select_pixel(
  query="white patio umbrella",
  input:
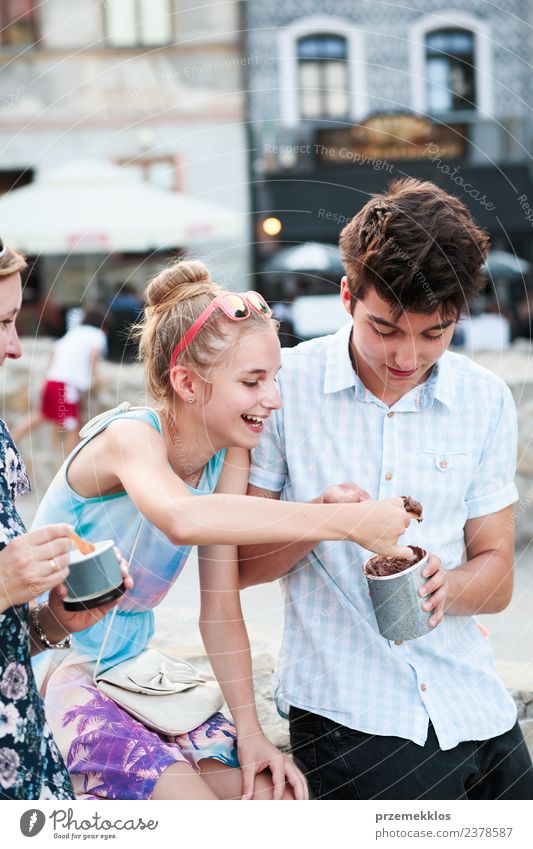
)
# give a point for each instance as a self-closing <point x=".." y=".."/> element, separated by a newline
<point x="503" y="264"/>
<point x="307" y="258"/>
<point x="93" y="207"/>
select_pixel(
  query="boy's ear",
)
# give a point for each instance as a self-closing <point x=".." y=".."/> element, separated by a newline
<point x="346" y="298"/>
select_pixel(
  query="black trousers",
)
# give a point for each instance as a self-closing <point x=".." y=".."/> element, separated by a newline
<point x="341" y="763"/>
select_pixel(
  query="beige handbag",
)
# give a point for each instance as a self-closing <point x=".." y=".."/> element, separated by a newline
<point x="165" y="694"/>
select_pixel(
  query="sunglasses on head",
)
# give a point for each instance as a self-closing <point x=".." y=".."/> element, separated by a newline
<point x="235" y="306"/>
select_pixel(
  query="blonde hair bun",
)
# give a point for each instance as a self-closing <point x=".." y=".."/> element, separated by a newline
<point x="175" y="299"/>
<point x="181" y="281"/>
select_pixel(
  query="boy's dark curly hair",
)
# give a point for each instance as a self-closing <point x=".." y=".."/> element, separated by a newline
<point x="418" y="247"/>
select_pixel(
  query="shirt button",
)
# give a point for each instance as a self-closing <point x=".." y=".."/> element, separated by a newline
<point x="443" y="464"/>
<point x="423" y="688"/>
<point x="388" y="476"/>
<point x="390" y="415"/>
<point x="397" y="642"/>
<point x="336" y="733"/>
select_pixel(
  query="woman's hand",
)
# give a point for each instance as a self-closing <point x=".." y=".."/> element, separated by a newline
<point x="256" y="754"/>
<point x="33" y="563"/>
<point x="436" y="587"/>
<point x="71" y="621"/>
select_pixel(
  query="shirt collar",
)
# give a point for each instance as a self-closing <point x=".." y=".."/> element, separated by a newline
<point x="443" y="387"/>
<point x="340" y="374"/>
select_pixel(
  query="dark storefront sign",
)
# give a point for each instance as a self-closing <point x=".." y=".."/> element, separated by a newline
<point x="396" y="137"/>
<point x="315" y="208"/>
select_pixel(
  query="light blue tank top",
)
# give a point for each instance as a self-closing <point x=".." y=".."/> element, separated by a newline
<point x="156" y="562"/>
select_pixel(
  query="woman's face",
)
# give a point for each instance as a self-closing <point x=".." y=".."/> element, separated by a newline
<point x="244" y="391"/>
<point x="10" y="301"/>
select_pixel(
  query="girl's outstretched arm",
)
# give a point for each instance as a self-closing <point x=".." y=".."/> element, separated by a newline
<point x="134" y="454"/>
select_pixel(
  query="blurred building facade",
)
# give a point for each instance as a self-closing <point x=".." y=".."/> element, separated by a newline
<point x="346" y="96"/>
<point x="153" y="85"/>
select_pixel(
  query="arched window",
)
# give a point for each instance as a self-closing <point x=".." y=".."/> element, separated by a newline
<point x="451" y="67"/>
<point x="323" y="76"/>
<point x="451" y="70"/>
<point x="321" y="70"/>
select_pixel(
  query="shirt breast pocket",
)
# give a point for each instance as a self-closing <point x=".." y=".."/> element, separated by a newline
<point x="451" y="470"/>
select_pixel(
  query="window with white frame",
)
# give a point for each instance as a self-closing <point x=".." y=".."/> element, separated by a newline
<point x="321" y="70"/>
<point x="323" y="76"/>
<point x="451" y="64"/>
<point x="451" y="70"/>
<point x="139" y="22"/>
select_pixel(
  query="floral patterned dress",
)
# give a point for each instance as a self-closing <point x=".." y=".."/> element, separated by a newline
<point x="31" y="766"/>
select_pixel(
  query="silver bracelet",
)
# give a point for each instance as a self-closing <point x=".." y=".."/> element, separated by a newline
<point x="64" y="644"/>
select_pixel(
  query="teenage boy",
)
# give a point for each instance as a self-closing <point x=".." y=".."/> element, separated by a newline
<point x="382" y="402"/>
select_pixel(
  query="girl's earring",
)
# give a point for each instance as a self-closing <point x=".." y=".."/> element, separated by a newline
<point x="190" y="400"/>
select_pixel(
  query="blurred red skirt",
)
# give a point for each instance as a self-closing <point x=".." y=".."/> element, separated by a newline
<point x="60" y="403"/>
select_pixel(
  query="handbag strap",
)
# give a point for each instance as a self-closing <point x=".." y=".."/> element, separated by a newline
<point x="112" y="619"/>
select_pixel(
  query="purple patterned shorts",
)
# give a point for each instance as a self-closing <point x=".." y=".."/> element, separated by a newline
<point x="111" y="755"/>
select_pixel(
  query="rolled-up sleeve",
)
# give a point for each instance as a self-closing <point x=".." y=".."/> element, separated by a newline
<point x="269" y="466"/>
<point x="493" y="487"/>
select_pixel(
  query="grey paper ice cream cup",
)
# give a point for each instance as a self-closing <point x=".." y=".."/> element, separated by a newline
<point x="94" y="578"/>
<point x="396" y="602"/>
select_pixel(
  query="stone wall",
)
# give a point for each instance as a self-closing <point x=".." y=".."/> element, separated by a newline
<point x="518" y="678"/>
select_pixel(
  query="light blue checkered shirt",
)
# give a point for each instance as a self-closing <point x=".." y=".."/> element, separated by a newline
<point x="451" y="444"/>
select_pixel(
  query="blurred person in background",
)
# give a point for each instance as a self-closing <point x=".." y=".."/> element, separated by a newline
<point x="523" y="324"/>
<point x="125" y="309"/>
<point x="72" y="371"/>
<point x="489" y="330"/>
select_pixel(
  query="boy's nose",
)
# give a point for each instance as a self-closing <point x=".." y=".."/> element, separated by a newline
<point x="405" y="358"/>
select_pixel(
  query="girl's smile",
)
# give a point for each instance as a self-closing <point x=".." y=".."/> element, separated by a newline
<point x="254" y="423"/>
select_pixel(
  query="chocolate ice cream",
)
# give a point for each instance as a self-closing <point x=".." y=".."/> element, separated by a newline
<point x="412" y="506"/>
<point x="380" y="566"/>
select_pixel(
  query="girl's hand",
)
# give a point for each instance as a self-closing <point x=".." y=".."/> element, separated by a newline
<point x="72" y="621"/>
<point x="382" y="523"/>
<point x="256" y="754"/>
<point x="33" y="563"/>
<point x="436" y="588"/>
